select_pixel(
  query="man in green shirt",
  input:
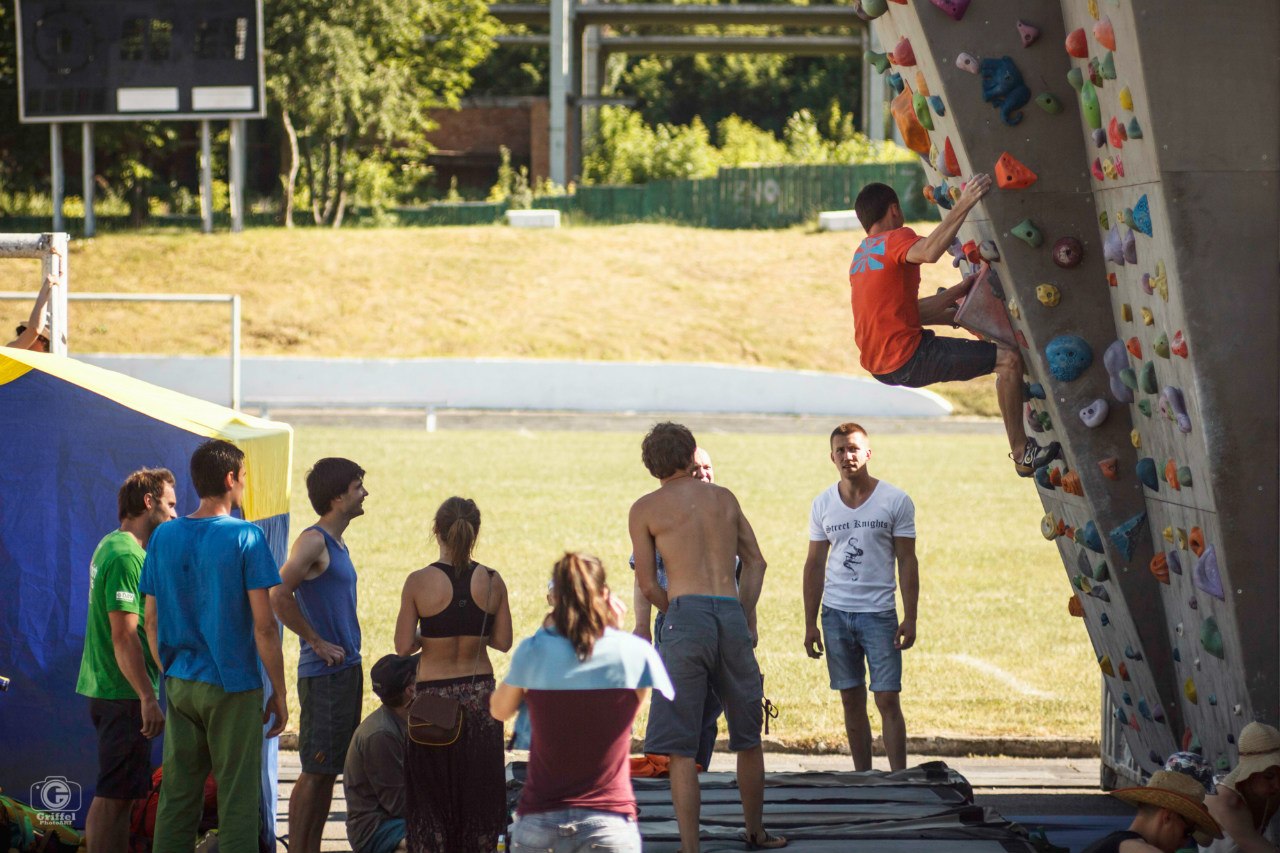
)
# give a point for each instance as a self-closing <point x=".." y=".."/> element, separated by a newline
<point x="117" y="671"/>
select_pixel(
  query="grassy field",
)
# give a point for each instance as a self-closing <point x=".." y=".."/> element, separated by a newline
<point x="618" y="293"/>
<point x="997" y="653"/>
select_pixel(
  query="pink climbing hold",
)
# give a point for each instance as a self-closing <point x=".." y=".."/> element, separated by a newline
<point x="1028" y="33"/>
<point x="967" y="62"/>
<point x="1178" y="346"/>
<point x="1105" y="33"/>
<point x="1097" y="169"/>
<point x="1115" y="133"/>
<point x="903" y="54"/>
<point x="1078" y="44"/>
<point x="954" y="8"/>
<point x="1119" y="166"/>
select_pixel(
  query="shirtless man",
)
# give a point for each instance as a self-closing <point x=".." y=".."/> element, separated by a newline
<point x="700" y="529"/>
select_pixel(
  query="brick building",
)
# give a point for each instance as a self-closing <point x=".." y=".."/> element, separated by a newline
<point x="468" y="139"/>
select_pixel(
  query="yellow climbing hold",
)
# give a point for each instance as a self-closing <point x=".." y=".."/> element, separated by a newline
<point x="1014" y="312"/>
<point x="1135" y="439"/>
<point x="1049" y="527"/>
<point x="1093" y="9"/>
<point x="1148" y="319"/>
<point x="1104" y="663"/>
<point x="1168" y="534"/>
<point x="1160" y="281"/>
<point x="1190" y="689"/>
<point x="1126" y="99"/>
<point x="1126" y="312"/>
<point x="1109" y="168"/>
<point x="1182" y="539"/>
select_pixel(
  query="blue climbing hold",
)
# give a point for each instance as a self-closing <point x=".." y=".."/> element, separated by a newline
<point x="1125" y="537"/>
<point x="1143" y="709"/>
<point x="1175" y="562"/>
<point x="1035" y="390"/>
<point x="1126" y="698"/>
<point x="935" y="101"/>
<point x="1147" y="473"/>
<point x="1177" y="656"/>
<point x="1105" y="620"/>
<point x="1068" y="356"/>
<point x="1142" y="216"/>
<point x="1122" y="716"/>
<point x="1091" y="538"/>
<point x="1003" y="88"/>
<point x="895" y="81"/>
<point x="1042" y="478"/>
<point x="942" y="197"/>
<point x="1131" y="654"/>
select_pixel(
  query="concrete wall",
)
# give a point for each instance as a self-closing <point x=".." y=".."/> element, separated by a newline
<point x="1206" y="163"/>
<point x="533" y="385"/>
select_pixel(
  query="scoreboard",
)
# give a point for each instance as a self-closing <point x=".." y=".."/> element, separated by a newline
<point x="129" y="60"/>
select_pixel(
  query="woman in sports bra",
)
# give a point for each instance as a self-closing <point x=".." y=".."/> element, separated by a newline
<point x="455" y="610"/>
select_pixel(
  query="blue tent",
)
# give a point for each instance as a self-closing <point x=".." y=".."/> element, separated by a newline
<point x="69" y="435"/>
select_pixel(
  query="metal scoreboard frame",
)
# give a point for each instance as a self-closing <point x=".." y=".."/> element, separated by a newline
<point x="139" y="60"/>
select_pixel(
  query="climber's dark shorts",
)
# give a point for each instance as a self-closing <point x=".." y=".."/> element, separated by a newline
<point x="943" y="360"/>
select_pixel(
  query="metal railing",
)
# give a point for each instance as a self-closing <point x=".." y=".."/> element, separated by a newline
<point x="218" y="298"/>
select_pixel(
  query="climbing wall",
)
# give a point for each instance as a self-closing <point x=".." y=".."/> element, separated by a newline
<point x="1134" y="235"/>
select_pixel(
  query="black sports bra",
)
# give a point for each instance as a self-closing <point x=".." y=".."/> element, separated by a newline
<point x="462" y="617"/>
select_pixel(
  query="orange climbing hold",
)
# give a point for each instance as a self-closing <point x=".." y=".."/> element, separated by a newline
<point x="1110" y="467"/>
<point x="921" y="86"/>
<point x="1124" y="671"/>
<point x="1196" y="540"/>
<point x="1012" y="175"/>
<point x="1055" y="476"/>
<point x="1071" y="484"/>
<point x="1160" y="567"/>
<point x="1134" y="346"/>
<point x="1074" y="607"/>
<point x="904" y="116"/>
<point x="928" y="193"/>
<point x="1078" y="44"/>
<point x="1112" y="281"/>
<point x="1105" y="33"/>
<point x="949" y="159"/>
<point x="971" y="253"/>
<point x="1171" y="475"/>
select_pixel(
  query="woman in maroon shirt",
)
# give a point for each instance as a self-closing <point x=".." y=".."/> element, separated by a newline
<point x="583" y="681"/>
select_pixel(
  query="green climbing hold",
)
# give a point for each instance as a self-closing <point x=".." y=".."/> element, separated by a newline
<point x="1108" y="66"/>
<point x="1134" y="130"/>
<point x="1046" y="421"/>
<point x="1076" y="78"/>
<point x="1027" y="232"/>
<point x="1126" y="216"/>
<point x="1144" y="406"/>
<point x="921" y="105"/>
<point x="1129" y="378"/>
<point x="1147" y="379"/>
<point x="1184" y="476"/>
<point x="874" y="8"/>
<point x="1101" y="572"/>
<point x="1146" y="469"/>
<point x="1223" y="763"/>
<point x="1048" y="102"/>
<point x="1211" y="637"/>
<point x="1161" y="345"/>
<point x="1104" y="221"/>
<point x="878" y="61"/>
<point x="1089" y="104"/>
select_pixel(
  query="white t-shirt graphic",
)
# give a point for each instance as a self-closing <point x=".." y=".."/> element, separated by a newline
<point x="860" y="565"/>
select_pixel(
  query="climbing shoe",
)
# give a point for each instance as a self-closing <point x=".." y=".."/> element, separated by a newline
<point x="1034" y="456"/>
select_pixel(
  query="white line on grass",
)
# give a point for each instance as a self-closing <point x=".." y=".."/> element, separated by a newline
<point x="1009" y="679"/>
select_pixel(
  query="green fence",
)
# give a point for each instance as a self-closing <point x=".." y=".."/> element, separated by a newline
<point x="762" y="197"/>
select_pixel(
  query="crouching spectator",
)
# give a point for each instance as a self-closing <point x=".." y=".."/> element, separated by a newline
<point x="373" y="776"/>
<point x="1171" y="813"/>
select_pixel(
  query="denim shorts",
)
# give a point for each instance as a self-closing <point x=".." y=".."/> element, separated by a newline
<point x="705" y="643"/>
<point x="850" y="637"/>
<point x="574" y="830"/>
<point x="943" y="360"/>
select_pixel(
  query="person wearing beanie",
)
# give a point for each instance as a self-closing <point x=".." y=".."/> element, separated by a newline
<point x="373" y="775"/>
<point x="1171" y="813"/>
<point x="1247" y="800"/>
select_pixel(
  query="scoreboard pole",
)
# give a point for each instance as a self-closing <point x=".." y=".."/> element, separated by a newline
<point x="206" y="179"/>
<point x="57" y="179"/>
<point x="86" y="168"/>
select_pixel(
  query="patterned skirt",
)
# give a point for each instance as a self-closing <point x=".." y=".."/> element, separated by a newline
<point x="455" y="796"/>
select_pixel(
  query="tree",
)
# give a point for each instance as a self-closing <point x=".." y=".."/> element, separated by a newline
<point x="352" y="82"/>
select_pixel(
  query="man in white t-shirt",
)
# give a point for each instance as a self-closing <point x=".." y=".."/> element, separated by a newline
<point x="858" y="530"/>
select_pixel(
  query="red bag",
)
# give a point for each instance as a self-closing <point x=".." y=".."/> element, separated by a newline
<point x="142" y="823"/>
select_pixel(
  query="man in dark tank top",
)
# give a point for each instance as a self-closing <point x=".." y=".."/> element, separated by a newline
<point x="317" y="601"/>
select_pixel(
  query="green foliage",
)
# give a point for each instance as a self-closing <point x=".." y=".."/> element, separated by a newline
<point x="626" y="150"/>
<point x="512" y="185"/>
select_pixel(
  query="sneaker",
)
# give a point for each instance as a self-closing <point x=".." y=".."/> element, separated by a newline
<point x="1034" y="456"/>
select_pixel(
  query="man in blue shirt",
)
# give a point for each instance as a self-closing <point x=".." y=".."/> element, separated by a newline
<point x="316" y="600"/>
<point x="206" y="579"/>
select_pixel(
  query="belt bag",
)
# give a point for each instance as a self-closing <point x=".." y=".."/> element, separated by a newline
<point x="434" y="720"/>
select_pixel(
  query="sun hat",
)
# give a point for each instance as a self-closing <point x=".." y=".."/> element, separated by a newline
<point x="1259" y="747"/>
<point x="1179" y="793"/>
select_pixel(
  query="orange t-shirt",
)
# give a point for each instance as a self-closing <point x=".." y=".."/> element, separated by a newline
<point x="884" y="291"/>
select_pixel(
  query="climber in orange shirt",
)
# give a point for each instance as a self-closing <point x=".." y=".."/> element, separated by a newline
<point x="889" y="316"/>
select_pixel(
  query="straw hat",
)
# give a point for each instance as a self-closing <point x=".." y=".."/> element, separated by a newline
<point x="1259" y="747"/>
<point x="1179" y="793"/>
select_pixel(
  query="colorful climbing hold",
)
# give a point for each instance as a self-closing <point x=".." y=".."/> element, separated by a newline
<point x="1035" y="391"/>
<point x="1132" y="654"/>
<point x="1179" y="345"/>
<point x="1116" y="360"/>
<point x="1011" y="174"/>
<point x="878" y="61"/>
<point x="1104" y="221"/>
<point x="989" y="251"/>
<point x="1090" y="538"/>
<point x="874" y="8"/>
<point x="1028" y="33"/>
<point x="1093" y="9"/>
<point x="1114" y="131"/>
<point x="895" y="81"/>
<point x="1021" y="339"/>
<point x="942" y="196"/>
<point x="1041" y="475"/>
<point x="1120" y="715"/>
<point x="949" y="160"/>
<point x="1096" y="169"/>
<point x="1101" y="572"/>
<point x="1184" y="475"/>
<point x="935" y="102"/>
<point x="1099" y="140"/>
<point x="921" y="106"/>
<point x="1048" y="524"/>
<point x="1105" y="33"/>
<point x="1095" y="72"/>
<point x="1130" y="379"/>
<point x="1014" y="311"/>
<point x="1113" y="246"/>
<point x="1068" y="357"/>
<point x="1161" y="345"/>
<point x="1177" y="405"/>
<point x="903" y="54"/>
<point x="1158" y="715"/>
<point x="1094" y="414"/>
<point x="1068" y="252"/>
<point x="1189" y="689"/>
<point x="922" y="85"/>
<point x="1071" y="484"/>
<point x="1182" y="538"/>
<point x="1100" y="593"/>
<point x="1149" y="319"/>
<point x="1144" y="406"/>
<point x="1126" y="312"/>
<point x="1104" y="663"/>
<point x="1003" y="88"/>
<point x="1211" y="637"/>
<point x="913" y="133"/>
<point x="1123" y="671"/>
<point x="1134" y="346"/>
<point x="1175" y="562"/>
<point x="954" y="8"/>
<point x="1126" y="535"/>
<point x="1089" y="104"/>
<point x="1126" y="99"/>
<point x="1134" y="129"/>
<point x="1196" y="541"/>
<point x="1146" y="469"/>
<point x="1077" y="44"/>
<point x="1142" y="215"/>
<point x="1076" y="78"/>
<point x="1027" y="232"/>
<point x="967" y="62"/>
<point x="1147" y="378"/>
<point x="1160" y="281"/>
<point x="1143" y="709"/>
<point x="1055" y="476"/>
<point x="1160" y="568"/>
<point x="1171" y="475"/>
<point x="1110" y="467"/>
<point x="1049" y="102"/>
<point x="1109" y="168"/>
<point x="1206" y="575"/>
<point x="1107" y="66"/>
<point x="1048" y="295"/>
<point x="1129" y="244"/>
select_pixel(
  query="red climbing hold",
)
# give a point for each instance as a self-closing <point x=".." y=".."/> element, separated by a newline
<point x="1112" y="281"/>
<point x="1105" y="33"/>
<point x="1078" y="44"/>
<point x="1123" y="671"/>
<point x="1115" y="133"/>
<point x="1110" y="467"/>
<point x="903" y="53"/>
<point x="1071" y="484"/>
<point x="1134" y="346"/>
<point x="1055" y="476"/>
<point x="1012" y="175"/>
<point x="949" y="159"/>
<point x="1178" y="346"/>
<point x="1096" y="168"/>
